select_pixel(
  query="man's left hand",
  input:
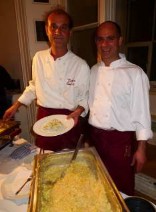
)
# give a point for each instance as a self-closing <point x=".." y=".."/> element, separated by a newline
<point x="139" y="157"/>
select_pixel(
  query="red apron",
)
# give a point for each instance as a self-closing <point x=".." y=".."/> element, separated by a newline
<point x="116" y="150"/>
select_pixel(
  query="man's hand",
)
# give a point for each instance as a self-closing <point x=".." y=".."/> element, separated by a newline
<point x="75" y="114"/>
<point x="10" y="112"/>
<point x="139" y="157"/>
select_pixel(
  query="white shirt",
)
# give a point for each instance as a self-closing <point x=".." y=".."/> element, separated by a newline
<point x="119" y="98"/>
<point x="61" y="83"/>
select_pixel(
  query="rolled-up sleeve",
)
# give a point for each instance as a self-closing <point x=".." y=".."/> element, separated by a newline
<point x="141" y="117"/>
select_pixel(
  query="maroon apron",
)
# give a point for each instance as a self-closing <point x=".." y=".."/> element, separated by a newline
<point x="57" y="143"/>
<point x="116" y="150"/>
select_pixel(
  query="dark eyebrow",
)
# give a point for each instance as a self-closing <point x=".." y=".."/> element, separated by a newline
<point x="106" y="38"/>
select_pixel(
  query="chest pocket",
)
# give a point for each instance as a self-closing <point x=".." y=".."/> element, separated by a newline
<point x="71" y="91"/>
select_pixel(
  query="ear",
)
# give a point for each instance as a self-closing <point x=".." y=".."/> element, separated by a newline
<point x="46" y="29"/>
<point x="120" y="41"/>
<point x="70" y="33"/>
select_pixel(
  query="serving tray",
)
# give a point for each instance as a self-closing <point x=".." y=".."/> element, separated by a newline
<point x="44" y="176"/>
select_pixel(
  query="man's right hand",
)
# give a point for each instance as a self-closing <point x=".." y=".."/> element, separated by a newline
<point x="10" y="112"/>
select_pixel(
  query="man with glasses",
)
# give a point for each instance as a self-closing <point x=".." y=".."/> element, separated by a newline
<point x="119" y="118"/>
<point x="60" y="82"/>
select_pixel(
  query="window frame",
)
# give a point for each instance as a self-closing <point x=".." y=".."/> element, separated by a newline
<point x="149" y="44"/>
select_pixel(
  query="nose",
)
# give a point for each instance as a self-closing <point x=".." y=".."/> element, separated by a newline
<point x="57" y="31"/>
<point x="104" y="43"/>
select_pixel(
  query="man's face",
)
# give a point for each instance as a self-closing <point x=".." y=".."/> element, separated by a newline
<point x="58" y="30"/>
<point x="108" y="43"/>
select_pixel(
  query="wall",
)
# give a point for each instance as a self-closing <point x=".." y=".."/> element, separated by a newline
<point x="36" y="12"/>
<point x="9" y="54"/>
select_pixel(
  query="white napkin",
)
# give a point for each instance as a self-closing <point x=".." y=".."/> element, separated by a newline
<point x="20" y="141"/>
<point x="13" y="182"/>
<point x="123" y="195"/>
<point x="6" y="205"/>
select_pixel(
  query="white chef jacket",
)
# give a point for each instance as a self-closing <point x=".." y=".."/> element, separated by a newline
<point x="119" y="98"/>
<point x="62" y="83"/>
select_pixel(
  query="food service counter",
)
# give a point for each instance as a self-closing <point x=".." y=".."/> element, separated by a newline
<point x="13" y="173"/>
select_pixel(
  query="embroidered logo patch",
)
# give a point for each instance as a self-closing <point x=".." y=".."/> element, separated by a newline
<point x="70" y="82"/>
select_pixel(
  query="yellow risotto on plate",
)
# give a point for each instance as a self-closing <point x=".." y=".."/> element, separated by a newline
<point x="55" y="125"/>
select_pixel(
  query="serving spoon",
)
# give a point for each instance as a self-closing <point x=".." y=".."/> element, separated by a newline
<point x="74" y="156"/>
<point x="77" y="148"/>
<point x="28" y="179"/>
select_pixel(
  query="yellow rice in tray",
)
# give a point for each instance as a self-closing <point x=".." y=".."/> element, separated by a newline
<point x="80" y="190"/>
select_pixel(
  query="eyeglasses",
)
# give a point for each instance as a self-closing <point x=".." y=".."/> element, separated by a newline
<point x="62" y="28"/>
<point x="107" y="38"/>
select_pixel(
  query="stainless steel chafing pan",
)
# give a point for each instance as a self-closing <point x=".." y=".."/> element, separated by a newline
<point x="45" y="162"/>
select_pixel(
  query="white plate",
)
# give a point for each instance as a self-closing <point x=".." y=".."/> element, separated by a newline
<point x="13" y="182"/>
<point x="39" y="126"/>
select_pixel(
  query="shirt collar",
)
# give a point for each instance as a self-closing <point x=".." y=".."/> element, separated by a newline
<point x="116" y="63"/>
<point x="49" y="56"/>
